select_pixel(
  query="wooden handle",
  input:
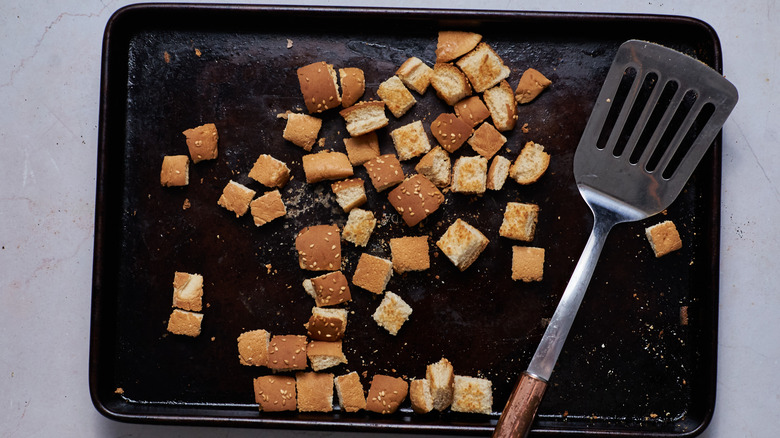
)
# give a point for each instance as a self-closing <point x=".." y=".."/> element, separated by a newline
<point x="521" y="408"/>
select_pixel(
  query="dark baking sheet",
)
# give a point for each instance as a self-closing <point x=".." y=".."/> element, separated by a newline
<point x="630" y="366"/>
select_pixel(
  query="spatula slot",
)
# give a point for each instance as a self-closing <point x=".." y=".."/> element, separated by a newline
<point x="638" y="107"/>
<point x="619" y="99"/>
<point x="693" y="133"/>
<point x="684" y="107"/>
<point x="652" y="122"/>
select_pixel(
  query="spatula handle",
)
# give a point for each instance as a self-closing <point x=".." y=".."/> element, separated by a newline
<point x="521" y="408"/>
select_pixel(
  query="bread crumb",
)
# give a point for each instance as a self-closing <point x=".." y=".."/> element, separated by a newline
<point x="197" y="52"/>
<point x="186" y="204"/>
<point x="289" y="43"/>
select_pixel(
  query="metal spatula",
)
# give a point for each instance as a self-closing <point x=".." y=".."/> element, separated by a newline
<point x="656" y="115"/>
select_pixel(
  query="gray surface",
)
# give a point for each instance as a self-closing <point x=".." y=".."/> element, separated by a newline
<point x="49" y="77"/>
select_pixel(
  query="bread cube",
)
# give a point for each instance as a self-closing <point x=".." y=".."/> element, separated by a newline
<point x="275" y="393"/>
<point x="462" y="244"/>
<point x="350" y="392"/>
<point x="410" y="253"/>
<point x="663" y="238"/>
<point x="396" y="96"/>
<point x="486" y="140"/>
<point x="500" y="100"/>
<point x="329" y="289"/>
<point x="175" y="171"/>
<point x="187" y="291"/>
<point x="452" y="44"/>
<point x="435" y="166"/>
<point x="326" y="165"/>
<point x="319" y="248"/>
<point x="364" y="117"/>
<point x="415" y="199"/>
<point x="353" y="85"/>
<point x="326" y="324"/>
<point x="253" y="348"/>
<point x="350" y="193"/>
<point x="202" y="142"/>
<point x="323" y="355"/>
<point x="415" y="74"/>
<point x="527" y="263"/>
<point x="450" y="83"/>
<point x="386" y="394"/>
<point x="441" y="378"/>
<point x="472" y="394"/>
<point x="498" y="172"/>
<point x="315" y="391"/>
<point x="287" y="353"/>
<point x="410" y="141"/>
<point x="268" y="207"/>
<point x="450" y="131"/>
<point x="302" y="130"/>
<point x="530" y="165"/>
<point x="182" y="322"/>
<point x="531" y="85"/>
<point x="361" y="149"/>
<point x="385" y="171"/>
<point x="392" y="313"/>
<point x="236" y="198"/>
<point x="372" y="273"/>
<point x="483" y="67"/>
<point x="469" y="175"/>
<point x="472" y="111"/>
<point x="420" y="396"/>
<point x="319" y="87"/>
<point x="519" y="221"/>
<point x="270" y="172"/>
<point x="359" y="227"/>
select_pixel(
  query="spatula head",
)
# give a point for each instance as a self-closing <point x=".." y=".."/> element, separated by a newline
<point x="656" y="115"/>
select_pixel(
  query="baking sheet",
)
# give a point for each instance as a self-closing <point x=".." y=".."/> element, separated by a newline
<point x="630" y="364"/>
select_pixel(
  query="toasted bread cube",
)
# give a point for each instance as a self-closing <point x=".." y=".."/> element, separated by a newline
<point x="385" y="171"/>
<point x="483" y="67"/>
<point x="469" y="175"/>
<point x="415" y="74"/>
<point x="530" y="165"/>
<point x="486" y="140"/>
<point x="531" y="84"/>
<point x="350" y="193"/>
<point x="364" y="117"/>
<point x="326" y="165"/>
<point x="287" y="353"/>
<point x="319" y="87"/>
<point x="270" y="172"/>
<point x="329" y="289"/>
<point x="527" y="263"/>
<point x="519" y="221"/>
<point x="323" y="355"/>
<point x="663" y="238"/>
<point x="450" y="83"/>
<point x="410" y="253"/>
<point x="392" y="313"/>
<point x="236" y="198"/>
<point x="462" y="244"/>
<point x="275" y="393"/>
<point x="450" y="131"/>
<point x="372" y="273"/>
<point x="386" y="394"/>
<point x="441" y="378"/>
<point x="500" y="100"/>
<point x="359" y="227"/>
<point x="187" y="291"/>
<point x="353" y="85"/>
<point x="319" y="248"/>
<point x="472" y="394"/>
<point x="452" y="45"/>
<point x="350" y="392"/>
<point x="498" y="172"/>
<point x="253" y="348"/>
<point x="202" y="142"/>
<point x="175" y="171"/>
<point x="396" y="96"/>
<point x="420" y="396"/>
<point x="415" y="199"/>
<point x="472" y="111"/>
<point x="436" y="166"/>
<point x="185" y="323"/>
<point x="268" y="207"/>
<point x="326" y="324"/>
<point x="363" y="148"/>
<point x="315" y="392"/>
<point x="410" y="141"/>
<point x="302" y="130"/>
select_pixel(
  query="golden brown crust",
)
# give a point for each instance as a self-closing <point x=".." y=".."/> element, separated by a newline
<point x="327" y="324"/>
<point x="500" y="100"/>
<point x="331" y="289"/>
<point x="270" y="172"/>
<point x="326" y="165"/>
<point x="315" y="392"/>
<point x="453" y="44"/>
<point x="185" y="323"/>
<point x="396" y="96"/>
<point x="287" y="353"/>
<point x="472" y="110"/>
<point x="175" y="171"/>
<point x="392" y="313"/>
<point x="415" y="199"/>
<point x="386" y="394"/>
<point x="275" y="393"/>
<point x="363" y="148"/>
<point x="323" y="355"/>
<point x="236" y="198"/>
<point x="202" y="142"/>
<point x="469" y="175"/>
<point x="372" y="273"/>
<point x="415" y="74"/>
<point x="319" y="248"/>
<point x="410" y="253"/>
<point x="267" y="207"/>
<point x="365" y="117"/>
<point x="483" y="67"/>
<point x="663" y="238"/>
<point x="519" y="221"/>
<point x="436" y="166"/>
<point x="302" y="130"/>
<point x="486" y="140"/>
<point x="385" y="171"/>
<point x="319" y="87"/>
<point x="359" y="227"/>
<point x="450" y="83"/>
<point x="350" y="193"/>
<point x="353" y="85"/>
<point x="531" y="84"/>
<point x="420" y="396"/>
<point x="253" y="348"/>
<point x="527" y="263"/>
<point x="530" y="164"/>
<point x="350" y="392"/>
<point x="440" y="376"/>
<point x="410" y="140"/>
<point x="472" y="394"/>
<point x="462" y="244"/>
<point x="450" y="131"/>
<point x="187" y="291"/>
<point x="498" y="172"/>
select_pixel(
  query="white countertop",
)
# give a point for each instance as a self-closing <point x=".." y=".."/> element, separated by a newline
<point x="49" y="88"/>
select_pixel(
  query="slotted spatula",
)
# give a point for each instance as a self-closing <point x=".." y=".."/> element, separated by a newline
<point x="656" y="115"/>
